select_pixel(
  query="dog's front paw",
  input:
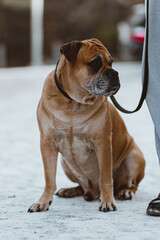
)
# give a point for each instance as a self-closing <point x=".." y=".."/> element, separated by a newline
<point x="40" y="206"/>
<point x="107" y="206"/>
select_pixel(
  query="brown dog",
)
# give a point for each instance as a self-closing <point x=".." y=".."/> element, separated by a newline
<point x="76" y="120"/>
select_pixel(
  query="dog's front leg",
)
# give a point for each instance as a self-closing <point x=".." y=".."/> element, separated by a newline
<point x="49" y="155"/>
<point x="104" y="154"/>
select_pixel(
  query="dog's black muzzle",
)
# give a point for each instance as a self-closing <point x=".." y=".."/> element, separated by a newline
<point x="108" y="84"/>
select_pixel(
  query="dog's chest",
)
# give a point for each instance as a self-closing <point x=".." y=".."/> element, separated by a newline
<point x="73" y="145"/>
<point x="79" y="155"/>
<point x="76" y="150"/>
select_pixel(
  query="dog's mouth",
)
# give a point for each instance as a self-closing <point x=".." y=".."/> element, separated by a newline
<point x="107" y="84"/>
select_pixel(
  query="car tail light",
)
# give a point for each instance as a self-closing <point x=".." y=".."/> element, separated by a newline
<point x="137" y="35"/>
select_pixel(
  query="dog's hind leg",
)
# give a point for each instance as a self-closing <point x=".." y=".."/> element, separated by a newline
<point x="85" y="187"/>
<point x="129" y="174"/>
<point x="69" y="192"/>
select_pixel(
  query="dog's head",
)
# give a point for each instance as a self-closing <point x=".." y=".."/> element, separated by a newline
<point x="90" y="70"/>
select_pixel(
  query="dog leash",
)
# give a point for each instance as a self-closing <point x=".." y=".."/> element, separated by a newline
<point x="145" y="78"/>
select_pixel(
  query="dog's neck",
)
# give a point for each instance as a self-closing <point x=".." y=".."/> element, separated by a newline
<point x="59" y="85"/>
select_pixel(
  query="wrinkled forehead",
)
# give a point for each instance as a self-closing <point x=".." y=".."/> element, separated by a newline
<point x="91" y="48"/>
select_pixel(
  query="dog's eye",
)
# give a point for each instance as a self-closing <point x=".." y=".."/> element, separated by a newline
<point x="95" y="65"/>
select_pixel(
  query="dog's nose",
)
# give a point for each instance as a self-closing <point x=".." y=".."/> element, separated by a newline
<point x="114" y="83"/>
<point x="111" y="73"/>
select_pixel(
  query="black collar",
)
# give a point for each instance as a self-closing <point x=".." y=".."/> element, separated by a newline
<point x="59" y="85"/>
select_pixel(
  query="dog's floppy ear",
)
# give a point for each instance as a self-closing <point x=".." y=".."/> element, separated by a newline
<point x="70" y="50"/>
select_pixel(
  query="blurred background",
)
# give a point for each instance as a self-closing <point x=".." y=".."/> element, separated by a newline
<point x="32" y="31"/>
